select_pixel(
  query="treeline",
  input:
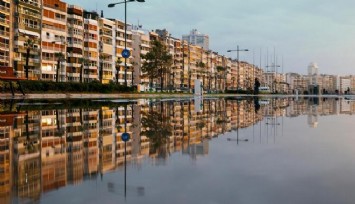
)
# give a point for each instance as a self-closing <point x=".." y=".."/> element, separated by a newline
<point x="67" y="87"/>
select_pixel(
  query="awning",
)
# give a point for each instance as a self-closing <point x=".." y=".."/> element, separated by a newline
<point x="27" y="32"/>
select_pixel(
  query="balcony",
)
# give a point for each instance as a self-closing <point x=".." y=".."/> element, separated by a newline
<point x="75" y="44"/>
<point x="29" y="13"/>
<point x="74" y="55"/>
<point x="91" y="76"/>
<point x="4" y="58"/>
<point x="73" y="75"/>
<point x="79" y="27"/>
<point x="4" y="9"/>
<point x="4" y="34"/>
<point x="91" y="67"/>
<point x="33" y="4"/>
<point x="54" y="49"/>
<point x="4" y="46"/>
<point x="73" y="65"/>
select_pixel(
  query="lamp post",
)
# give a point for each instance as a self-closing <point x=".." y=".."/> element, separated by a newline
<point x="125" y="52"/>
<point x="238" y="50"/>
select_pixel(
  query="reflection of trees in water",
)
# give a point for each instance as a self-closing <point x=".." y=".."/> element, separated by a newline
<point x="157" y="128"/>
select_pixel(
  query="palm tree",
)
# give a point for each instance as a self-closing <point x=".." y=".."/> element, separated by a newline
<point x="157" y="62"/>
<point x="60" y="57"/>
<point x="82" y="62"/>
<point x="29" y="45"/>
<point x="118" y="65"/>
<point x="233" y="80"/>
<point x="101" y="58"/>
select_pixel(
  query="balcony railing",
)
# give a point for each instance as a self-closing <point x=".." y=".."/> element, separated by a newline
<point x="4" y="9"/>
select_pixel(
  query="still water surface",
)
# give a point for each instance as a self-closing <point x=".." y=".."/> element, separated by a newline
<point x="221" y="150"/>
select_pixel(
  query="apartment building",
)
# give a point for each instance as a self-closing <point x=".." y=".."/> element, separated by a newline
<point x="347" y="84"/>
<point x="91" y="47"/>
<point x="53" y="38"/>
<point x="297" y="83"/>
<point x="123" y="74"/>
<point x="6" y="32"/>
<point x="140" y="47"/>
<point x="75" y="44"/>
<point x="185" y="76"/>
<point x="106" y="50"/>
<point x="27" y="27"/>
<point x="327" y="84"/>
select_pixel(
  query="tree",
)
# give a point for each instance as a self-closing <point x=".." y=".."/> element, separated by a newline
<point x="256" y="86"/>
<point x="201" y="71"/>
<point x="29" y="45"/>
<point x="156" y="127"/>
<point x="233" y="80"/>
<point x="157" y="62"/>
<point x="221" y="71"/>
<point x="101" y="58"/>
<point x="118" y="65"/>
<point x="82" y="62"/>
<point x="60" y="57"/>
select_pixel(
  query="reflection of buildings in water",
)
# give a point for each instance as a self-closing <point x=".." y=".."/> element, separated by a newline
<point x="48" y="149"/>
<point x="6" y="138"/>
<point x="53" y="152"/>
<point x="312" y="118"/>
<point x="347" y="107"/>
<point x="196" y="150"/>
<point x="325" y="106"/>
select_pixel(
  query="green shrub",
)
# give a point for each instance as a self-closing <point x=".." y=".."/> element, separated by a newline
<point x="71" y="87"/>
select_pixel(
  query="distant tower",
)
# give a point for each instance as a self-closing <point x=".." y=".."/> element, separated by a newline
<point x="197" y="38"/>
<point x="313" y="73"/>
<point x="313" y="86"/>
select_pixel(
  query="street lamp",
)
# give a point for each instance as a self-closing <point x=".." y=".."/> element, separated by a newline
<point x="238" y="50"/>
<point x="125" y="52"/>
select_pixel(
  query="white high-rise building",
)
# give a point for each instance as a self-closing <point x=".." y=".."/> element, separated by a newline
<point x="313" y="73"/>
<point x="197" y="38"/>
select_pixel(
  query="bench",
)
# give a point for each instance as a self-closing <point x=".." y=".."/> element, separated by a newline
<point x="7" y="74"/>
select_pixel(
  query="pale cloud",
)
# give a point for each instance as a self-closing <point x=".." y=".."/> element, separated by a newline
<point x="301" y="31"/>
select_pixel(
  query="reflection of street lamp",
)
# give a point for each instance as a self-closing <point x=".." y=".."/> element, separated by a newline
<point x="237" y="50"/>
<point x="237" y="140"/>
<point x="125" y="34"/>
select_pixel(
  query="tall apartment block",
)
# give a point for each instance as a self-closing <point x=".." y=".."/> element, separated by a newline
<point x="197" y="38"/>
<point x="91" y="46"/>
<point x="5" y="32"/>
<point x="140" y="47"/>
<point x="54" y="34"/>
<point x="106" y="50"/>
<point x="121" y="72"/>
<point x="27" y="27"/>
<point x="75" y="44"/>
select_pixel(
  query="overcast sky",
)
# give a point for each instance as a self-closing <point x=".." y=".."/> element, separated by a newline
<point x="301" y="31"/>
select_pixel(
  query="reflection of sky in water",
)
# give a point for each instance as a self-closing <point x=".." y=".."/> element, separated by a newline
<point x="286" y="163"/>
<point x="303" y="166"/>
